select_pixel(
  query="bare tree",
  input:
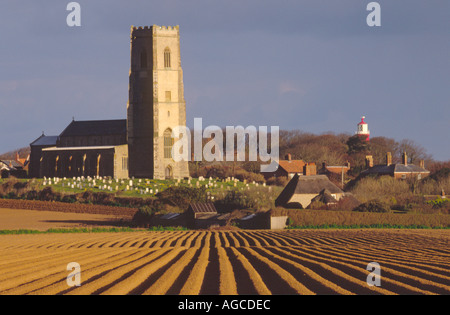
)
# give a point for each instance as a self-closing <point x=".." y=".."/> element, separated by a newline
<point x="414" y="151"/>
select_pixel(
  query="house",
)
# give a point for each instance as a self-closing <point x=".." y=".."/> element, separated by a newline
<point x="5" y="169"/>
<point x="289" y="168"/>
<point x="404" y="170"/>
<point x="12" y="168"/>
<point x="301" y="190"/>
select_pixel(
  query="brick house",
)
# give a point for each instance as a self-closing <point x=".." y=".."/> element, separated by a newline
<point x="289" y="168"/>
<point x="404" y="170"/>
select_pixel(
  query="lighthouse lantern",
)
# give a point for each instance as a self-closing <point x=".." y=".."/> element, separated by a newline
<point x="363" y="129"/>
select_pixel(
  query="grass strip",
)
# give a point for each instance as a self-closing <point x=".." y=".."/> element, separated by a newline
<point x="366" y="226"/>
<point x="91" y="230"/>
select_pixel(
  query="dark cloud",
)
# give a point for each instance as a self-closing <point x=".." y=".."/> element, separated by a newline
<point x="311" y="65"/>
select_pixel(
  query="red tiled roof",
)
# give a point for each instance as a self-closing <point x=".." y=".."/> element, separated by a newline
<point x="337" y="169"/>
<point x="293" y="166"/>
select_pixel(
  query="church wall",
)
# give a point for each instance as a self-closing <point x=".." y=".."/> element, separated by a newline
<point x="77" y="163"/>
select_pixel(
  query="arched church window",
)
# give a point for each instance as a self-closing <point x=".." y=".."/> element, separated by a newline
<point x="167" y="58"/>
<point x="168" y="144"/>
<point x="169" y="172"/>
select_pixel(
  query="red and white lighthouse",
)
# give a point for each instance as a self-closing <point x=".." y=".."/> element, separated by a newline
<point x="363" y="129"/>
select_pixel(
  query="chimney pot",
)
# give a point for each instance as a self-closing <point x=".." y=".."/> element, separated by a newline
<point x="388" y="158"/>
<point x="404" y="159"/>
<point x="422" y="163"/>
<point x="369" y="161"/>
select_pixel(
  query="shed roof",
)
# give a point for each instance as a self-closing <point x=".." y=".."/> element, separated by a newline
<point x="201" y="207"/>
<point x="170" y="216"/>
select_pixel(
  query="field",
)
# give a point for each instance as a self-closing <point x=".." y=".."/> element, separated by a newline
<point x="227" y="262"/>
<point x="12" y="219"/>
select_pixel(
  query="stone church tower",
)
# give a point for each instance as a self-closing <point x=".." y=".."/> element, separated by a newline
<point x="156" y="102"/>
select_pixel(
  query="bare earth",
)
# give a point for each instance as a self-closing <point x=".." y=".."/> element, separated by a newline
<point x="15" y="219"/>
<point x="227" y="262"/>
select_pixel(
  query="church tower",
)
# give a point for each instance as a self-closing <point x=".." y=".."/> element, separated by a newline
<point x="156" y="102"/>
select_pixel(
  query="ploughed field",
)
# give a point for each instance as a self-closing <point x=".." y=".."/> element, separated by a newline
<point x="227" y="262"/>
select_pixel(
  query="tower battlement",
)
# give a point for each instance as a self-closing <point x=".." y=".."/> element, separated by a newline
<point x="155" y="28"/>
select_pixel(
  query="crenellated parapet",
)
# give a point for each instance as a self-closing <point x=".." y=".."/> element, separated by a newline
<point x="154" y="28"/>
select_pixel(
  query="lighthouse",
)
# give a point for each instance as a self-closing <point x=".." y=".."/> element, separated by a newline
<point x="363" y="129"/>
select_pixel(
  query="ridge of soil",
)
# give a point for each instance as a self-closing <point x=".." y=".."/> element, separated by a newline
<point x="66" y="207"/>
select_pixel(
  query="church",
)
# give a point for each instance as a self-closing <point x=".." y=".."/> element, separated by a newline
<point x="139" y="146"/>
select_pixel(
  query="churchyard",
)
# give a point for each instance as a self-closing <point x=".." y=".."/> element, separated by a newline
<point x="215" y="188"/>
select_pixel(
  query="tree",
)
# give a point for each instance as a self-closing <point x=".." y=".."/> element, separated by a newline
<point x="379" y="146"/>
<point x="357" y="144"/>
<point x="414" y="151"/>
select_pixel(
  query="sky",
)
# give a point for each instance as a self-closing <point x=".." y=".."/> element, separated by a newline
<point x="314" y="66"/>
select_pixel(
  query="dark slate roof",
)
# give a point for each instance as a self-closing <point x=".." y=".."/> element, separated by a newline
<point x="45" y="141"/>
<point x="395" y="168"/>
<point x="12" y="163"/>
<point x="203" y="207"/>
<point x="95" y="128"/>
<point x="400" y="168"/>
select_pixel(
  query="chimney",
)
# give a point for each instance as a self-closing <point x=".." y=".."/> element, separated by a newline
<point x="17" y="157"/>
<point x="422" y="163"/>
<point x="288" y="157"/>
<point x="388" y="158"/>
<point x="404" y="159"/>
<point x="309" y="169"/>
<point x="369" y="161"/>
